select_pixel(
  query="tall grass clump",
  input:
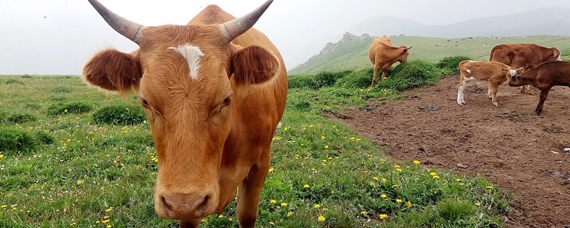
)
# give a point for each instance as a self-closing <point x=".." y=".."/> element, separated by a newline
<point x="119" y="115"/>
<point x="69" y="107"/>
<point x="448" y="65"/>
<point x="356" y="79"/>
<point x="14" y="81"/>
<point x="20" y="118"/>
<point x="62" y="89"/>
<point x="13" y="141"/>
<point x="328" y="79"/>
<point x="26" y="76"/>
<point x="304" y="81"/>
<point x="410" y="75"/>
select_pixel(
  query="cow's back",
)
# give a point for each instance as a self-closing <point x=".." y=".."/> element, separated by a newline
<point x="519" y="55"/>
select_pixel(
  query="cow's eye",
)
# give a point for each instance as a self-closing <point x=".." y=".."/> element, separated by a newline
<point x="227" y="100"/>
<point x="144" y="102"/>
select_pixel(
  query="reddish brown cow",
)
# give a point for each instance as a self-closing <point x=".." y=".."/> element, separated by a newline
<point x="527" y="56"/>
<point x="214" y="91"/>
<point x="543" y="77"/>
<point x="382" y="54"/>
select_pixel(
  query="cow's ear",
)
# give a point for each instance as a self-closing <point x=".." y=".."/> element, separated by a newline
<point x="253" y="65"/>
<point x="113" y="70"/>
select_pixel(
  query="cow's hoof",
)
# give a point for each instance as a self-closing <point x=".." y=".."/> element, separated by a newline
<point x="538" y="111"/>
<point x="496" y="105"/>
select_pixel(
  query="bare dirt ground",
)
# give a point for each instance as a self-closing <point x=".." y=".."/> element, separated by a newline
<point x="509" y="145"/>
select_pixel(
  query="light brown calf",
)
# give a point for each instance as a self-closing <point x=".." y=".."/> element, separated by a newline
<point x="383" y="55"/>
<point x="495" y="73"/>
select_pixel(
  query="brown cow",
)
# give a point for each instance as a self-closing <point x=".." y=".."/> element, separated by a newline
<point x="543" y="77"/>
<point x="527" y="56"/>
<point x="382" y="54"/>
<point x="495" y="72"/>
<point x="214" y="91"/>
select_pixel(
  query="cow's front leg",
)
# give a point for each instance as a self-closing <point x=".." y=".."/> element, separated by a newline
<point x="543" y="95"/>
<point x="248" y="195"/>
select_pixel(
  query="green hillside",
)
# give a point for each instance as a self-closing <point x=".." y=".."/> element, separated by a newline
<point x="353" y="55"/>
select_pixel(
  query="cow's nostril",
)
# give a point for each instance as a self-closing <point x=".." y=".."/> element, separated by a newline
<point x="168" y="207"/>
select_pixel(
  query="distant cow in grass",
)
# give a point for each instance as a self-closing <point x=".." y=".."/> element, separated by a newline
<point x="543" y="77"/>
<point x="495" y="72"/>
<point x="382" y="54"/>
<point x="524" y="55"/>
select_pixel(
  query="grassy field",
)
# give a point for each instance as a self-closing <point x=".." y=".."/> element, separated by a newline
<point x="62" y="166"/>
<point x="354" y="55"/>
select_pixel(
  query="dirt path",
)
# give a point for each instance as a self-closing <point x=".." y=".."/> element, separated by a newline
<point x="510" y="145"/>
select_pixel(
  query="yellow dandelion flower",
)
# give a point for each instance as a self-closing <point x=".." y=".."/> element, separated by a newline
<point x="285" y="129"/>
<point x="1" y="156"/>
<point x="109" y="226"/>
<point x="322" y="137"/>
<point x="398" y="201"/>
<point x="106" y="221"/>
<point x="271" y="169"/>
<point x="394" y="186"/>
<point x="457" y="179"/>
<point x="408" y="204"/>
<point x="416" y="162"/>
<point x="79" y="182"/>
<point x="109" y="209"/>
<point x="220" y="216"/>
<point x="398" y="169"/>
<point x="375" y="178"/>
<point x="289" y="214"/>
<point x="317" y="205"/>
<point x="489" y="187"/>
<point x="4" y="206"/>
<point x="321" y="218"/>
<point x="397" y="166"/>
<point x="384" y="180"/>
<point x="306" y="186"/>
<point x="326" y="146"/>
<point x="477" y="204"/>
<point x="230" y="219"/>
<point x="363" y="212"/>
<point x="383" y="216"/>
<point x="271" y="223"/>
<point x="433" y="173"/>
<point x="283" y="204"/>
<point x="383" y="196"/>
<point x="273" y="201"/>
<point x="435" y="177"/>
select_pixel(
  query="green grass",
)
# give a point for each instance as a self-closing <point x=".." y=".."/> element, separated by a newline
<point x="354" y="55"/>
<point x="80" y="173"/>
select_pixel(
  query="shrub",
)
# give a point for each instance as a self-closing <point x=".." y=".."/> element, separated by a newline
<point x="61" y="89"/>
<point x="119" y="115"/>
<point x="44" y="137"/>
<point x="21" y="118"/>
<point x="448" y="65"/>
<point x="12" y="141"/>
<point x="302" y="82"/>
<point x="410" y="75"/>
<point x="69" y="107"/>
<point x="26" y="76"/>
<point x="328" y="79"/>
<point x="14" y="81"/>
<point x="356" y="79"/>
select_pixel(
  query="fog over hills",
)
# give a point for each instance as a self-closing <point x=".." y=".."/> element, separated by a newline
<point x="545" y="21"/>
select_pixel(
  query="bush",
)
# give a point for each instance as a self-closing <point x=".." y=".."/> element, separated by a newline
<point x="448" y="65"/>
<point x="21" y="118"/>
<point x="356" y="79"/>
<point x="119" y="115"/>
<point x="453" y="210"/>
<point x="44" y="137"/>
<point x="302" y="82"/>
<point x="12" y="141"/>
<point x="69" y="107"/>
<point x="14" y="81"/>
<point x="328" y="79"/>
<point x="26" y="76"/>
<point x="410" y="75"/>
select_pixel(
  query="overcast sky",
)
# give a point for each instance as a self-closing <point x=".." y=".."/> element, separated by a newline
<point x="59" y="36"/>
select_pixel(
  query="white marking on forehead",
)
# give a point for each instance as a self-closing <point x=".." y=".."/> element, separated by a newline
<point x="468" y="71"/>
<point x="192" y="54"/>
<point x="513" y="72"/>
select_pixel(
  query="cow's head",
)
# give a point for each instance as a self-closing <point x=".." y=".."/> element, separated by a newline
<point x="556" y="55"/>
<point x="185" y="77"/>
<point x="516" y="78"/>
<point x="404" y="53"/>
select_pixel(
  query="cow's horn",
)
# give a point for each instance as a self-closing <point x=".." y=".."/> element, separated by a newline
<point x="127" y="28"/>
<point x="236" y="27"/>
<point x="410" y="47"/>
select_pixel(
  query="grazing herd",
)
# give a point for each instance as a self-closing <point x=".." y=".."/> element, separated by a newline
<point x="215" y="89"/>
<point x="522" y="65"/>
